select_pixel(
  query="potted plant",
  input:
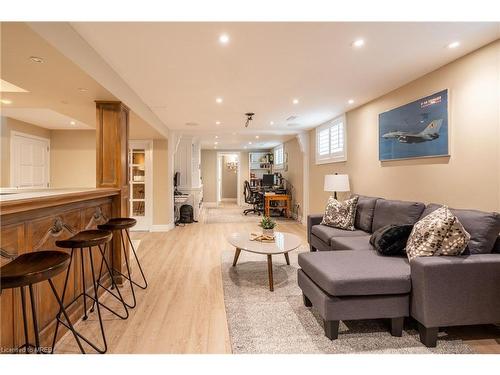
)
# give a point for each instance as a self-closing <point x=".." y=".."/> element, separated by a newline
<point x="267" y="225"/>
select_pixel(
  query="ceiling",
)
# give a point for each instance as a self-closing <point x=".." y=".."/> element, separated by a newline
<point x="179" y="69"/>
<point x="57" y="92"/>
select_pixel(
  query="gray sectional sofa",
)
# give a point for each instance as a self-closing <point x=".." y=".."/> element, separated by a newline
<point x="344" y="278"/>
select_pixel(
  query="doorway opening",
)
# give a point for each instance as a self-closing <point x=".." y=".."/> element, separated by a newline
<point x="228" y="177"/>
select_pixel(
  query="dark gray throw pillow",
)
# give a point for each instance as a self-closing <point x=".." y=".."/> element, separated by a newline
<point x="391" y="239"/>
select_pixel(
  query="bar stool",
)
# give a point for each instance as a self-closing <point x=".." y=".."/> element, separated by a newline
<point x="85" y="240"/>
<point x="122" y="224"/>
<point x="31" y="268"/>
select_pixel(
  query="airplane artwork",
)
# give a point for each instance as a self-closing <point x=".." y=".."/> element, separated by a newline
<point x="430" y="133"/>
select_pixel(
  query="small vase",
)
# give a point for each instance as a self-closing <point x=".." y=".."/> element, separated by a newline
<point x="268" y="232"/>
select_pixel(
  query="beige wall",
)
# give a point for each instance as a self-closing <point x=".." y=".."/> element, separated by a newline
<point x="229" y="180"/>
<point x="209" y="175"/>
<point x="7" y="125"/>
<point x="162" y="186"/>
<point x="72" y="158"/>
<point x="469" y="178"/>
<point x="294" y="174"/>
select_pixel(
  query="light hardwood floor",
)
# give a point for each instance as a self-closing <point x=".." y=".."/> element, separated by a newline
<point x="182" y="311"/>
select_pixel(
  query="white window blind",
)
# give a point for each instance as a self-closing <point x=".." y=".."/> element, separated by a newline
<point x="331" y="141"/>
<point x="278" y="157"/>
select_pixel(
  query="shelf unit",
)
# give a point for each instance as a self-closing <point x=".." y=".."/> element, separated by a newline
<point x="259" y="163"/>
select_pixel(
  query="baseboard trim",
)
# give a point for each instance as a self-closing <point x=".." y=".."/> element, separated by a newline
<point x="162" y="227"/>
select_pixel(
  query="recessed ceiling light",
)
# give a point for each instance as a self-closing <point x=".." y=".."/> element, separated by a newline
<point x="37" y="59"/>
<point x="350" y="101"/>
<point x="82" y="89"/>
<point x="358" y="43"/>
<point x="216" y="143"/>
<point x="216" y="137"/>
<point x="454" y="44"/>
<point x="72" y="123"/>
<point x="6" y="101"/>
<point x="217" y="122"/>
<point x="271" y="123"/>
<point x="257" y="137"/>
<point x="218" y="100"/>
<point x="295" y="101"/>
<point x="249" y="143"/>
<point x="224" y="39"/>
<point x="215" y="147"/>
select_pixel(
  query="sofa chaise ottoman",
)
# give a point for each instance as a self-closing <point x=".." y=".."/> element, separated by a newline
<point x="353" y="285"/>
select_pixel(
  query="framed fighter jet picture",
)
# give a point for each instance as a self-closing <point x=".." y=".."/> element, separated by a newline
<point x="415" y="130"/>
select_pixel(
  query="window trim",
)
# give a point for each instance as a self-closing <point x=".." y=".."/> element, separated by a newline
<point x="282" y="164"/>
<point x="331" y="158"/>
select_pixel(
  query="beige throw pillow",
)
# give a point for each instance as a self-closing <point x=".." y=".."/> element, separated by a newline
<point x="340" y="214"/>
<point x="439" y="233"/>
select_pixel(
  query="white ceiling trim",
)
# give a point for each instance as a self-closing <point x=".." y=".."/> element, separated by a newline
<point x="63" y="37"/>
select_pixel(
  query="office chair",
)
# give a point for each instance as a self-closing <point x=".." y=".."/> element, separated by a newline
<point x="254" y="199"/>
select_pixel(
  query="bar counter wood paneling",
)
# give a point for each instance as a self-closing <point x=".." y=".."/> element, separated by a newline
<point x="34" y="224"/>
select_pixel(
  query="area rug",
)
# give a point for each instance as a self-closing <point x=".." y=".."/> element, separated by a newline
<point x="261" y="321"/>
<point x="215" y="215"/>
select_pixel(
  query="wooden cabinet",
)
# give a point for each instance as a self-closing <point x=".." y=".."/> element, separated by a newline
<point x="37" y="230"/>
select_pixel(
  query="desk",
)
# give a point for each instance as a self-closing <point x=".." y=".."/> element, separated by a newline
<point x="268" y="198"/>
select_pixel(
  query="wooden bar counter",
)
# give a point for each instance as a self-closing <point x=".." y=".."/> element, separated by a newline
<point x="32" y="221"/>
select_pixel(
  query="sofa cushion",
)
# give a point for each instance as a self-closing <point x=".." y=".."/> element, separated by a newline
<point x="483" y="227"/>
<point x="351" y="243"/>
<point x="439" y="233"/>
<point x="357" y="273"/>
<point x="325" y="233"/>
<point x="340" y="214"/>
<point x="391" y="239"/>
<point x="396" y="212"/>
<point x="364" y="213"/>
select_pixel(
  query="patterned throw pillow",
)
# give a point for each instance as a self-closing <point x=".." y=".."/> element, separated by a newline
<point x="439" y="233"/>
<point x="340" y="214"/>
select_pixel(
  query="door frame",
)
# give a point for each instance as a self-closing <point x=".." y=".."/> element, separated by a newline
<point x="13" y="156"/>
<point x="148" y="181"/>
<point x="218" y="192"/>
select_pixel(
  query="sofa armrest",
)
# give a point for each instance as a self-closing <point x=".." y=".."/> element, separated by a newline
<point x="312" y="220"/>
<point x="449" y="291"/>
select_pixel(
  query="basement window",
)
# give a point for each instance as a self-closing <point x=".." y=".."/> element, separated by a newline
<point x="331" y="141"/>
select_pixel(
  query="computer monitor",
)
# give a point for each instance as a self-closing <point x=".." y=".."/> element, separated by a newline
<point x="267" y="180"/>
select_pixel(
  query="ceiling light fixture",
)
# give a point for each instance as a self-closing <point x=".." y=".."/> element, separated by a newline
<point x="37" y="59"/>
<point x="271" y="123"/>
<point x="6" y="101"/>
<point x="223" y="39"/>
<point x="350" y="101"/>
<point x="217" y="122"/>
<point x="216" y="143"/>
<point x="249" y="143"/>
<point x="249" y="118"/>
<point x="358" y="43"/>
<point x="257" y="137"/>
<point x="454" y="44"/>
<point x="216" y="137"/>
<point x="218" y="100"/>
<point x="82" y="89"/>
<point x="295" y="101"/>
<point x="72" y="123"/>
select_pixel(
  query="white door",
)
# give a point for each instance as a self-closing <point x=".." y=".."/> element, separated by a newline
<point x="29" y="161"/>
<point x="141" y="183"/>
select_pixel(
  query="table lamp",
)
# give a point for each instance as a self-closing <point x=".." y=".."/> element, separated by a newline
<point x="336" y="182"/>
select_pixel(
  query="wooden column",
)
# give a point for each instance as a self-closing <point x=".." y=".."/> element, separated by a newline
<point x="112" y="129"/>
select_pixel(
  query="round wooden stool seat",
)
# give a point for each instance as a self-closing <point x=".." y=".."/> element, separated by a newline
<point x="86" y="238"/>
<point x="118" y="223"/>
<point x="32" y="268"/>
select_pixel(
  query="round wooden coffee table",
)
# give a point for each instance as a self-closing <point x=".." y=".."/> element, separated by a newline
<point x="283" y="244"/>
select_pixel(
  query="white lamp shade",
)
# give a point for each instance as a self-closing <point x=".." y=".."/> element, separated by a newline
<point x="337" y="182"/>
